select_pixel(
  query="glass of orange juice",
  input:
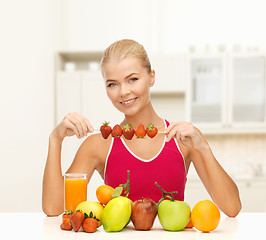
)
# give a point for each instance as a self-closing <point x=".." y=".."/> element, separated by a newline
<point x="75" y="190"/>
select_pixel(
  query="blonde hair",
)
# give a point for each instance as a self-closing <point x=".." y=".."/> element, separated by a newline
<point x="121" y="49"/>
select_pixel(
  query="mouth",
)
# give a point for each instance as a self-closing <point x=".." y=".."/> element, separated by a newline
<point x="128" y="102"/>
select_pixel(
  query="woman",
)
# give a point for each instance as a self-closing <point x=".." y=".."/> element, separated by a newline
<point x="165" y="158"/>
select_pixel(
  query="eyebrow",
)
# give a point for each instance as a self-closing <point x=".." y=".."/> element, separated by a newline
<point x="128" y="76"/>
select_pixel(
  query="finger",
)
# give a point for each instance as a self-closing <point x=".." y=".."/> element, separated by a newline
<point x="81" y="124"/>
<point x="71" y="126"/>
<point x="84" y="127"/>
<point x="184" y="135"/>
<point x="89" y="126"/>
<point x="77" y="125"/>
<point x="173" y="133"/>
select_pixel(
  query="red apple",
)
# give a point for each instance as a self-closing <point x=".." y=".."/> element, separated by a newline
<point x="143" y="213"/>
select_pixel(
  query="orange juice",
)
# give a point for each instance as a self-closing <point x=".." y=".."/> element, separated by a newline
<point x="75" y="190"/>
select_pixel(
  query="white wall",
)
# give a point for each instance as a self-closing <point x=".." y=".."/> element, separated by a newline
<point x="26" y="99"/>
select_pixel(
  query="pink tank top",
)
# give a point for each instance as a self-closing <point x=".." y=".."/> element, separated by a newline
<point x="167" y="168"/>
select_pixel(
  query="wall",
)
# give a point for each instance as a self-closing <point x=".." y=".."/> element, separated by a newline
<point x="26" y="99"/>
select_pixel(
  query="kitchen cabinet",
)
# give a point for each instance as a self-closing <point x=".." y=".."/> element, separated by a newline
<point x="247" y="89"/>
<point x="226" y="93"/>
<point x="206" y="89"/>
<point x="252" y="193"/>
<point x="169" y="74"/>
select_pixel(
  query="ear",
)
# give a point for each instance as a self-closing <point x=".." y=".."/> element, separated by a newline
<point x="152" y="78"/>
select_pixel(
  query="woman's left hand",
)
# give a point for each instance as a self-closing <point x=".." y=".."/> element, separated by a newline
<point x="185" y="133"/>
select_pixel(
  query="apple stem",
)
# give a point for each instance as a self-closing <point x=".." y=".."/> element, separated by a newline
<point x="165" y="192"/>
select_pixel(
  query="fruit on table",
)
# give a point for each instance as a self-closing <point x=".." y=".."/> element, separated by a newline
<point x="104" y="193"/>
<point x="90" y="224"/>
<point x="151" y="130"/>
<point x="117" y="131"/>
<point x="140" y="132"/>
<point x="205" y="216"/>
<point x="66" y="225"/>
<point x="90" y="206"/>
<point x="116" y="214"/>
<point x="76" y="220"/>
<point x="105" y="129"/>
<point x="173" y="215"/>
<point x="190" y="224"/>
<point x="128" y="131"/>
<point x="143" y="213"/>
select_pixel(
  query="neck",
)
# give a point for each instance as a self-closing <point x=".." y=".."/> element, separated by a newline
<point x="146" y="117"/>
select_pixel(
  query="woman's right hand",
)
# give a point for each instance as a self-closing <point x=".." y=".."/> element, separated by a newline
<point x="72" y="124"/>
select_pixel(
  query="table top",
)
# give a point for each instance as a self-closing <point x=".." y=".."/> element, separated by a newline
<point x="38" y="226"/>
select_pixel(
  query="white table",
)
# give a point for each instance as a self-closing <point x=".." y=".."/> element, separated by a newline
<point x="38" y="226"/>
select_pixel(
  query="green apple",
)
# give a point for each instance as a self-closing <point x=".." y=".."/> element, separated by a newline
<point x="174" y="215"/>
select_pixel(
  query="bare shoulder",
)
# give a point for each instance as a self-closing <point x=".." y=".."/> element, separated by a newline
<point x="97" y="146"/>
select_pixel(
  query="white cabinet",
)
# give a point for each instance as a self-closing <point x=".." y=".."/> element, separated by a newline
<point x="252" y="193"/>
<point x="206" y="89"/>
<point x="96" y="105"/>
<point x="68" y="98"/>
<point x="247" y="89"/>
<point x="226" y="93"/>
<point x="169" y="74"/>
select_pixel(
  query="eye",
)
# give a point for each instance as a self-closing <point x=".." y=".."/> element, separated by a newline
<point x="111" y="85"/>
<point x="133" y="79"/>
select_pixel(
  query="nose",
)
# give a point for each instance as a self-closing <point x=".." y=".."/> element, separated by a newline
<point x="124" y="90"/>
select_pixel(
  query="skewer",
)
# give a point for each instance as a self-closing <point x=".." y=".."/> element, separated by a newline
<point x="98" y="130"/>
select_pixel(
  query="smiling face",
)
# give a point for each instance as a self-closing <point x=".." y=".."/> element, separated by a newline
<point x="128" y="84"/>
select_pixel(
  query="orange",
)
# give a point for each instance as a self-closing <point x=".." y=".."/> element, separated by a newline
<point x="205" y="216"/>
<point x="103" y="194"/>
<point x="189" y="225"/>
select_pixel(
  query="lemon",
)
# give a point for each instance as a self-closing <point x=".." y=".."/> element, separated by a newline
<point x="94" y="207"/>
<point x="116" y="214"/>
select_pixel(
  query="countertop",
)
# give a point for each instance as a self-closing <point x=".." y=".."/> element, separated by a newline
<point x="39" y="226"/>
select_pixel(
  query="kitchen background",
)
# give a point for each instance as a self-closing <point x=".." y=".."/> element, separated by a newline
<point x="209" y="58"/>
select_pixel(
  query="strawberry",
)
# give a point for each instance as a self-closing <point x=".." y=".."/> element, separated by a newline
<point x="128" y="131"/>
<point x="117" y="131"/>
<point x="105" y="130"/>
<point x="66" y="225"/>
<point x="140" y="132"/>
<point x="151" y="130"/>
<point x="66" y="214"/>
<point x="90" y="224"/>
<point x="76" y="220"/>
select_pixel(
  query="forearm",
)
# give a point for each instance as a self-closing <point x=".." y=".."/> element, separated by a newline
<point x="53" y="182"/>
<point x="223" y="190"/>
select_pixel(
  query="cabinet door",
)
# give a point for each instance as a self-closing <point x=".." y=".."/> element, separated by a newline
<point x="252" y="195"/>
<point x="68" y="98"/>
<point x="248" y="89"/>
<point x="207" y="88"/>
<point x="169" y="74"/>
<point x="96" y="105"/>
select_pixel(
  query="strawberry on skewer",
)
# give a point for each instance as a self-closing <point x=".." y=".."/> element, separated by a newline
<point x="151" y="130"/>
<point x="106" y="130"/>
<point x="117" y="131"/>
<point x="140" y="132"/>
<point x="128" y="131"/>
